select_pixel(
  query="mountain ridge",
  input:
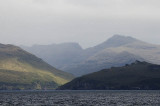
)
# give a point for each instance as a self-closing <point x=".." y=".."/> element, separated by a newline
<point x="76" y="59"/>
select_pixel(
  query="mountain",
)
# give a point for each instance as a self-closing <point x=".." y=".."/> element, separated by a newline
<point x="58" y="55"/>
<point x="116" y="51"/>
<point x="136" y="76"/>
<point x="114" y="41"/>
<point x="22" y="70"/>
<point x="102" y="61"/>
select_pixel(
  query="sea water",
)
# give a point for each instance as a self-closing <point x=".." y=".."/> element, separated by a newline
<point x="80" y="98"/>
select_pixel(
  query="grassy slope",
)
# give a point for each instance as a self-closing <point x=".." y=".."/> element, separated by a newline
<point x="22" y="70"/>
<point x="139" y="75"/>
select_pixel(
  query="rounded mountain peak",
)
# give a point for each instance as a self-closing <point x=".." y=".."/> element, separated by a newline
<point x="119" y="40"/>
<point x="122" y="39"/>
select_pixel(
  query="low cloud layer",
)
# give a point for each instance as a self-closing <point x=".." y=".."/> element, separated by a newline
<point x="88" y="22"/>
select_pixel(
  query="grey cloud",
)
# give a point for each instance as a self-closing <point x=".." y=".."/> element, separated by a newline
<point x="88" y="22"/>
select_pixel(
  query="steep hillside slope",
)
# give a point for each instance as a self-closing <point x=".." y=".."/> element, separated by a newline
<point x="138" y="75"/>
<point x="22" y="70"/>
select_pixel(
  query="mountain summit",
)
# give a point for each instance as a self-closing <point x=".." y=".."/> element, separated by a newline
<point x="116" y="40"/>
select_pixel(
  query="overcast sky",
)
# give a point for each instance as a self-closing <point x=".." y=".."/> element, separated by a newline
<point x="88" y="22"/>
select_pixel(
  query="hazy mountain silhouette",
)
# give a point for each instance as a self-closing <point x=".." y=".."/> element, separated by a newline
<point x="105" y="55"/>
<point x="58" y="55"/>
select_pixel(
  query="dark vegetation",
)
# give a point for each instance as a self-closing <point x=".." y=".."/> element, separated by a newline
<point x="136" y="76"/>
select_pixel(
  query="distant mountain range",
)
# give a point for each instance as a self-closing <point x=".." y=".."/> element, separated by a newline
<point x="116" y="51"/>
<point x="136" y="76"/>
<point x="22" y="70"/>
<point x="58" y="55"/>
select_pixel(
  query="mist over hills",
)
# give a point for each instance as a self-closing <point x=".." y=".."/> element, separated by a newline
<point x="116" y="51"/>
<point x="57" y="55"/>
<point x="22" y="70"/>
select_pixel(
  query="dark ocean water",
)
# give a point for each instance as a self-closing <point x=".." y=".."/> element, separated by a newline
<point x="79" y="98"/>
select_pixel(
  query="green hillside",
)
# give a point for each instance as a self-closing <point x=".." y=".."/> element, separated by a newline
<point x="138" y="75"/>
<point x="22" y="70"/>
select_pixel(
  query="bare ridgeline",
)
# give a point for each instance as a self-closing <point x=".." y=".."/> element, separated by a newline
<point x="81" y="98"/>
